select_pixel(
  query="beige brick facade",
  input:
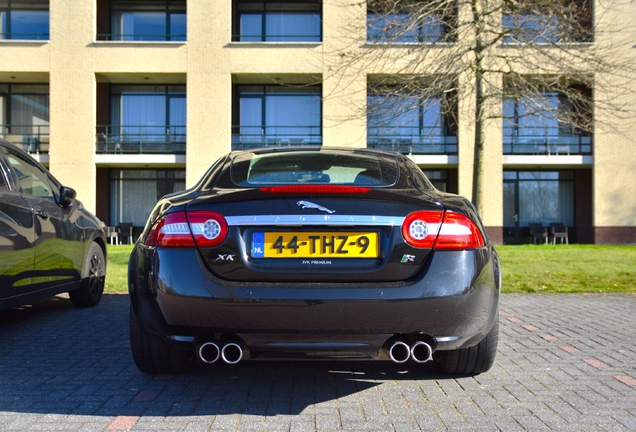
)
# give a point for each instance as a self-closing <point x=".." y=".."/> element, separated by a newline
<point x="74" y="64"/>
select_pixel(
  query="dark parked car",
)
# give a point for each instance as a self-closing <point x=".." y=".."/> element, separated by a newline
<point x="314" y="253"/>
<point x="49" y="243"/>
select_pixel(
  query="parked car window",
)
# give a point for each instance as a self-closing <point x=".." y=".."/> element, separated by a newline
<point x="32" y="179"/>
<point x="313" y="168"/>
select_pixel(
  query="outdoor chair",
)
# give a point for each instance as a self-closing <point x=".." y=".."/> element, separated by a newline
<point x="558" y="230"/>
<point x="538" y="231"/>
<point x="125" y="231"/>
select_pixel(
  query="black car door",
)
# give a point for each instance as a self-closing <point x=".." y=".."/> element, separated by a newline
<point x="58" y="240"/>
<point x="17" y="235"/>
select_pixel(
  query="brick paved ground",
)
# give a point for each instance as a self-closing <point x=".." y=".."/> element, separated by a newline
<point x="565" y="362"/>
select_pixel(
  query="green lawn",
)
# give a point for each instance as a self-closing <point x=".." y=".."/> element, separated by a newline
<point x="527" y="268"/>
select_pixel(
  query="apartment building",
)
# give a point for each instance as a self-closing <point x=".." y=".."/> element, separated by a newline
<point x="127" y="100"/>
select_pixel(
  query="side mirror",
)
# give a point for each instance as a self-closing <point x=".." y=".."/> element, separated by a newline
<point x="67" y="196"/>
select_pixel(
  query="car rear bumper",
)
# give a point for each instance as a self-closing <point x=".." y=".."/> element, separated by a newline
<point x="176" y="299"/>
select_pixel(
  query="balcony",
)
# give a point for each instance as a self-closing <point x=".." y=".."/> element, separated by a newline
<point x="144" y="139"/>
<point x="251" y="137"/>
<point x="25" y="36"/>
<point x="139" y="37"/>
<point x="412" y="140"/>
<point x="547" y="144"/>
<point x="31" y="138"/>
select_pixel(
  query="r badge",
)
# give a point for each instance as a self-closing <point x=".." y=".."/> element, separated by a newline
<point x="408" y="258"/>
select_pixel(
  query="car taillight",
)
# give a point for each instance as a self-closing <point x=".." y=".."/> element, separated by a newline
<point x="458" y="232"/>
<point x="197" y="228"/>
<point x="438" y="230"/>
<point x="420" y="228"/>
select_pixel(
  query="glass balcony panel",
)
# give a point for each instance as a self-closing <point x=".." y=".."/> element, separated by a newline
<point x="31" y="138"/>
<point x="412" y="140"/>
<point x="251" y="137"/>
<point x="141" y="139"/>
<point x="547" y="144"/>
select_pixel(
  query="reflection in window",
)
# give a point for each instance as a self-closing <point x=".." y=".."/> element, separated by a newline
<point x="396" y="120"/>
<point x="32" y="180"/>
<point x="265" y="21"/>
<point x="277" y="115"/>
<point x="543" y="196"/>
<point x="157" y="20"/>
<point x="24" y="113"/>
<point x="134" y="193"/>
<point x="409" y="22"/>
<point x="24" y="19"/>
<point x="543" y="123"/>
<point x="547" y="22"/>
<point x="146" y="114"/>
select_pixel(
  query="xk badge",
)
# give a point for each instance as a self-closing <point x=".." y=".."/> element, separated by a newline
<point x="407" y="258"/>
<point x="225" y="257"/>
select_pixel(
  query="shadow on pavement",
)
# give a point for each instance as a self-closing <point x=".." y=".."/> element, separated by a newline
<point x="57" y="359"/>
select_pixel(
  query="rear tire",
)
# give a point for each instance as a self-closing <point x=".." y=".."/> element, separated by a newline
<point x="91" y="287"/>
<point x="153" y="357"/>
<point x="472" y="360"/>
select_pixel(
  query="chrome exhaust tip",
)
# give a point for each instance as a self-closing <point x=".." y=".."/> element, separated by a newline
<point x="421" y="352"/>
<point x="399" y="352"/>
<point x="232" y="353"/>
<point x="209" y="352"/>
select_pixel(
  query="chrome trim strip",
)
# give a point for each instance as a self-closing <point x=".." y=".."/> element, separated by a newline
<point x="297" y="220"/>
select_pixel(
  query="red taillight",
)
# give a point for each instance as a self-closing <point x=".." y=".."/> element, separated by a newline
<point x="316" y="189"/>
<point x="209" y="228"/>
<point x="198" y="228"/>
<point x="458" y="232"/>
<point x="438" y="230"/>
<point x="420" y="228"/>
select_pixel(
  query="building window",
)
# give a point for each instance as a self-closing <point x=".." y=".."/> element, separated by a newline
<point x="24" y="19"/>
<point x="142" y="20"/>
<point x="538" y="197"/>
<point x="409" y="123"/>
<point x="134" y="193"/>
<point x="145" y="119"/>
<point x="277" y="21"/>
<point x="543" y="123"/>
<point x="439" y="179"/>
<point x="24" y="112"/>
<point x="410" y="22"/>
<point x="547" y="22"/>
<point x="277" y="115"/>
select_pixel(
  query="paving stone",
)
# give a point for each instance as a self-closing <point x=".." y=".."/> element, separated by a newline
<point x="84" y="379"/>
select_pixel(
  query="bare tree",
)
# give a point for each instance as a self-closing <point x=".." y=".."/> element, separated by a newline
<point x="537" y="57"/>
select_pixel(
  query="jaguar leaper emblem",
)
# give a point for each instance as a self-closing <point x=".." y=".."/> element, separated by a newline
<point x="310" y="205"/>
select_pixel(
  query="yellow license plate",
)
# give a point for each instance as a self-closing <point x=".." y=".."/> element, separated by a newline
<point x="315" y="245"/>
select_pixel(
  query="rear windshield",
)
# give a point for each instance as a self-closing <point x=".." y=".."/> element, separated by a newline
<point x="314" y="167"/>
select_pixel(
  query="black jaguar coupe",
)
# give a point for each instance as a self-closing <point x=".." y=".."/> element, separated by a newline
<point x="314" y="253"/>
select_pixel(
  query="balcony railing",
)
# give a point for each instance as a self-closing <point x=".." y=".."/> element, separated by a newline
<point x="276" y="38"/>
<point x="143" y="139"/>
<point x="31" y="138"/>
<point x="250" y="137"/>
<point x="24" y="36"/>
<point x="151" y="37"/>
<point x="547" y="144"/>
<point x="412" y="140"/>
